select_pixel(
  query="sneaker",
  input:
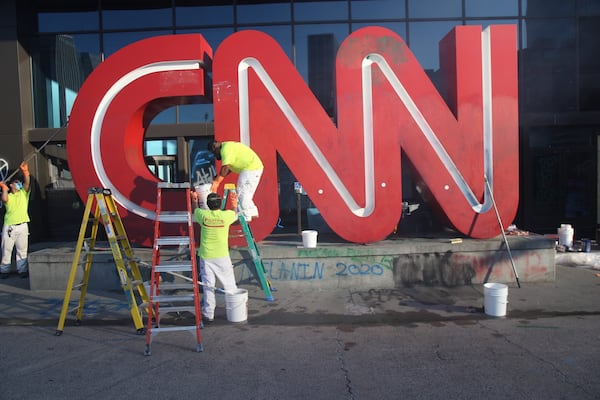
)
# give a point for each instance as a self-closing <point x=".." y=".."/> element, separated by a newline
<point x="24" y="275"/>
<point x="207" y="321"/>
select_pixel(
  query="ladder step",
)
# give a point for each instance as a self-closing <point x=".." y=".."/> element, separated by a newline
<point x="175" y="286"/>
<point x="173" y="329"/>
<point x="171" y="309"/>
<point x="174" y="216"/>
<point x="173" y="241"/>
<point x="173" y="185"/>
<point x="173" y="266"/>
<point x="172" y="299"/>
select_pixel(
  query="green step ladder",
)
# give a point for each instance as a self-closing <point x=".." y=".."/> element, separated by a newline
<point x="256" y="259"/>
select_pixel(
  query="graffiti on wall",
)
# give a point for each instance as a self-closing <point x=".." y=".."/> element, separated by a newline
<point x="387" y="106"/>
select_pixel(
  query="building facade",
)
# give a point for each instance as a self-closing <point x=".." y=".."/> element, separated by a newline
<point x="50" y="47"/>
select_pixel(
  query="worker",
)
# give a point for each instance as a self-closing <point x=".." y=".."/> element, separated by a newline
<point x="215" y="261"/>
<point x="15" y="232"/>
<point x="241" y="159"/>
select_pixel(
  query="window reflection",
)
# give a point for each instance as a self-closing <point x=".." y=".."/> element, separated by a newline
<point x="491" y="8"/>
<point x="271" y="12"/>
<point x="320" y="10"/>
<point x="60" y="64"/>
<point x="434" y="8"/>
<point x="205" y="15"/>
<point x="68" y="22"/>
<point x="424" y="39"/>
<point x="548" y="8"/>
<point x="131" y="19"/>
<point x="382" y="9"/>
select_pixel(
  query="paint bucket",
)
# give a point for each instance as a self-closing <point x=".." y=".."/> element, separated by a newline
<point x="309" y="239"/>
<point x="203" y="191"/>
<point x="495" y="299"/>
<point x="565" y="235"/>
<point x="236" y="303"/>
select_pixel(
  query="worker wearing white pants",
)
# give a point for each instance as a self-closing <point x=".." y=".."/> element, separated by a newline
<point x="14" y="236"/>
<point x="210" y="270"/>
<point x="242" y="160"/>
<point x="215" y="262"/>
<point x="246" y="187"/>
<point x="15" y="231"/>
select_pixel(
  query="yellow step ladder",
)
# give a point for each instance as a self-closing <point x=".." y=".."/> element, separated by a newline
<point x="105" y="212"/>
<point x="168" y="297"/>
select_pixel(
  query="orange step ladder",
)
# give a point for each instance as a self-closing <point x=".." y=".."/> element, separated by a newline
<point x="167" y="297"/>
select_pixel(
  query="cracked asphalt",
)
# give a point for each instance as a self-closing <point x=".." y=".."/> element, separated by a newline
<point x="403" y="343"/>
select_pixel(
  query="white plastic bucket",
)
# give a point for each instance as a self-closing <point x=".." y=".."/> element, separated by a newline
<point x="236" y="303"/>
<point x="565" y="235"/>
<point x="309" y="239"/>
<point x="203" y="191"/>
<point x="495" y="299"/>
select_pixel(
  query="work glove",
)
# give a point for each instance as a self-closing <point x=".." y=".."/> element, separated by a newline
<point x="24" y="168"/>
<point x="216" y="183"/>
<point x="3" y="186"/>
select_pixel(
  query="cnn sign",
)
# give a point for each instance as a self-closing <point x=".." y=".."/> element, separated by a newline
<point x="387" y="108"/>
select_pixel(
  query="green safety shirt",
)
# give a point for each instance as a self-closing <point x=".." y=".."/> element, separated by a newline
<point x="16" y="208"/>
<point x="214" y="232"/>
<point x="239" y="157"/>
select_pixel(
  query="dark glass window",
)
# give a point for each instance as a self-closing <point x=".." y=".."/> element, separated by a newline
<point x="205" y="15"/>
<point x="68" y="22"/>
<point x="589" y="64"/>
<point x="588" y="7"/>
<point x="548" y="64"/>
<point x="491" y="8"/>
<point x="548" y="8"/>
<point x="256" y="13"/>
<point x="434" y="8"/>
<point x="380" y="9"/>
<point x="135" y="19"/>
<point x="320" y="10"/>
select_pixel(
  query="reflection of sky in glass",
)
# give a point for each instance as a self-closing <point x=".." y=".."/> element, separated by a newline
<point x="489" y="8"/>
<point x="131" y="19"/>
<point x="255" y="13"/>
<point x="434" y="8"/>
<point x="382" y="9"/>
<point x="205" y="15"/>
<point x="321" y="11"/>
<point x="116" y="41"/>
<point x="425" y="38"/>
<point x="67" y="22"/>
<point x="340" y="31"/>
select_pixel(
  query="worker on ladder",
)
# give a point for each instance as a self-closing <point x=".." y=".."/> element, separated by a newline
<point x="213" y="252"/>
<point x="241" y="159"/>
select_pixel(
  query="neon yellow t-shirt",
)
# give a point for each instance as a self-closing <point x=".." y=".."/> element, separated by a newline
<point x="214" y="232"/>
<point x="16" y="208"/>
<point x="239" y="157"/>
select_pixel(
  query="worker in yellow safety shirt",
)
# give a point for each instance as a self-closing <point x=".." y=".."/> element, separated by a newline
<point x="240" y="159"/>
<point x="213" y="253"/>
<point x="15" y="232"/>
